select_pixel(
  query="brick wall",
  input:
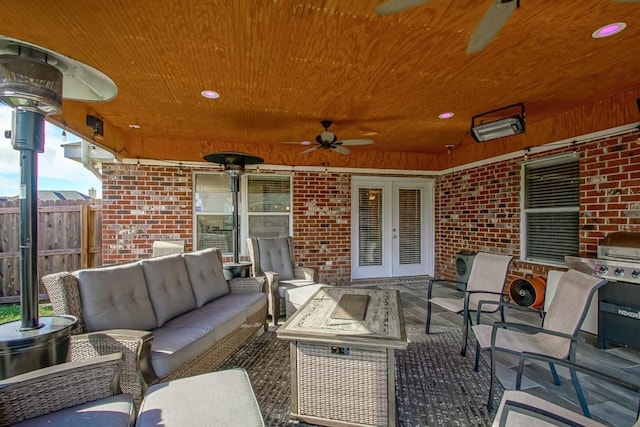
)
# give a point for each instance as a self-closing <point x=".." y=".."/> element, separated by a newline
<point x="476" y="209"/>
<point x="322" y="224"/>
<point x="142" y="204"/>
<point x="479" y="209"/>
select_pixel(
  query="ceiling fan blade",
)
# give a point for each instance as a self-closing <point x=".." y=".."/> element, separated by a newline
<point x="491" y="23"/>
<point x="627" y="1"/>
<point x="308" y="150"/>
<point x="355" y="141"/>
<point x="340" y="149"/>
<point x="393" y="6"/>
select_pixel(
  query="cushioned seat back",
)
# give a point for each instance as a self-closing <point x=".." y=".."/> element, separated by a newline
<point x="206" y="275"/>
<point x="169" y="288"/>
<point x="276" y="254"/>
<point x="115" y="298"/>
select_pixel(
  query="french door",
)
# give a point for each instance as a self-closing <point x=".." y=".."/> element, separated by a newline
<point x="391" y="227"/>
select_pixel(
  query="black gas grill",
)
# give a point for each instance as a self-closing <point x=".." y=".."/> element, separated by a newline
<point x="618" y="262"/>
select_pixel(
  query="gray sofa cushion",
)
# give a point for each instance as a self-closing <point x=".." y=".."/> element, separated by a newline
<point x="206" y="275"/>
<point x="223" y="398"/>
<point x="115" y="298"/>
<point x="173" y="348"/>
<point x="275" y="256"/>
<point x="251" y="302"/>
<point x="113" y="411"/>
<point x="169" y="288"/>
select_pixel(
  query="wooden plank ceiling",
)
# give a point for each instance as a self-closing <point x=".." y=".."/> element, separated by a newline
<point x="281" y="66"/>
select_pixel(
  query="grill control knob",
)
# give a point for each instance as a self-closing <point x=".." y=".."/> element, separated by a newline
<point x="635" y="274"/>
<point x="619" y="272"/>
<point x="603" y="269"/>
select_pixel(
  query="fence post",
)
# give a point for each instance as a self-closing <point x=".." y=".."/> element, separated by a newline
<point x="85" y="244"/>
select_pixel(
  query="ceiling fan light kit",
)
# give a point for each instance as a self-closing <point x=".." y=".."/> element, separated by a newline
<point x="329" y="141"/>
<point x="511" y="124"/>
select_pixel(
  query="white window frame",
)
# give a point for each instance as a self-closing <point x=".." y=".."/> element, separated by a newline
<point x="548" y="161"/>
<point x="244" y="208"/>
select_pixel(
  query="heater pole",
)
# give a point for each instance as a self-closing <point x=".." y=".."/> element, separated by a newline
<point x="28" y="138"/>
<point x="234" y="184"/>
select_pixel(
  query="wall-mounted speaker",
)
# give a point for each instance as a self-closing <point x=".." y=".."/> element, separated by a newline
<point x="464" y="261"/>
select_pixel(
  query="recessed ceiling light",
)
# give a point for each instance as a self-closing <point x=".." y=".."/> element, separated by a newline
<point x="211" y="94"/>
<point x="134" y="126"/>
<point x="608" y="30"/>
<point x="446" y="115"/>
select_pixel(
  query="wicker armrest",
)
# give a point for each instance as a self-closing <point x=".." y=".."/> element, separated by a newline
<point x="58" y="387"/>
<point x="135" y="346"/>
<point x="305" y="273"/>
<point x="246" y="285"/>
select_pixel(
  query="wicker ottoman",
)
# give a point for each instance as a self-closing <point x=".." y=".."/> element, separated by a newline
<point x="223" y="398"/>
<point x="296" y="297"/>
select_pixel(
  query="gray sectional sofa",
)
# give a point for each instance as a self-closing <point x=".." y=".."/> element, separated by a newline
<point x="172" y="316"/>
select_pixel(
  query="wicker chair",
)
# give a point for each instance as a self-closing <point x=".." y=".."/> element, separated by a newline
<point x="273" y="258"/>
<point x="75" y="393"/>
<point x="520" y="408"/>
<point x="558" y="336"/>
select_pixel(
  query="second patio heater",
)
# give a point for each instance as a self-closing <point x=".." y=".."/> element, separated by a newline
<point x="32" y="80"/>
<point x="234" y="164"/>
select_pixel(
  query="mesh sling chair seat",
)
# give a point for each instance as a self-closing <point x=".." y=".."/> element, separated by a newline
<point x="274" y="259"/>
<point x="521" y="408"/>
<point x="486" y="282"/>
<point x="556" y="338"/>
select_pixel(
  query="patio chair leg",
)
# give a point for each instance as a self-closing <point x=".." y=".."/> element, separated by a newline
<point x="477" y="365"/>
<point x="428" y="326"/>
<point x="556" y="378"/>
<point x="493" y="367"/>
<point x="580" y="393"/>
<point x="465" y="334"/>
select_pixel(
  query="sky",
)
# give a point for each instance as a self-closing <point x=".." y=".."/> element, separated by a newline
<point x="55" y="172"/>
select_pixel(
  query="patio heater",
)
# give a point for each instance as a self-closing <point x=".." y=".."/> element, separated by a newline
<point x="31" y="82"/>
<point x="234" y="164"/>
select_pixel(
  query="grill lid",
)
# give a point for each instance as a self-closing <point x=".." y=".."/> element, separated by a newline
<point x="624" y="239"/>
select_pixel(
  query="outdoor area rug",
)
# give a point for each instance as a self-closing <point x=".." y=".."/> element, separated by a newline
<point x="435" y="386"/>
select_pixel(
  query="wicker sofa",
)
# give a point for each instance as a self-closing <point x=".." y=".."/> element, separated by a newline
<point x="173" y="316"/>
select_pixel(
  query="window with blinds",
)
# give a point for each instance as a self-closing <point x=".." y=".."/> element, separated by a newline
<point x="551" y="209"/>
<point x="266" y="213"/>
<point x="269" y="205"/>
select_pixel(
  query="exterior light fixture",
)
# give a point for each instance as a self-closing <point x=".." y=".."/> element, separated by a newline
<point x="446" y="115"/>
<point x="485" y="126"/>
<point x="211" y="94"/>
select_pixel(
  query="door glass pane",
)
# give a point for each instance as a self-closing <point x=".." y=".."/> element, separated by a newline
<point x="370" y="226"/>
<point x="410" y="226"/>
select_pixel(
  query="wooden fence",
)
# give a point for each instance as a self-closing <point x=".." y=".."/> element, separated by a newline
<point x="69" y="238"/>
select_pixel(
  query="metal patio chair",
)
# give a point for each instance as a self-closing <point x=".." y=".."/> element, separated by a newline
<point x="520" y="408"/>
<point x="556" y="338"/>
<point x="486" y="282"/>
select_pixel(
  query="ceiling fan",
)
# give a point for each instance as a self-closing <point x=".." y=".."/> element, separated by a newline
<point x="489" y="26"/>
<point x="329" y="141"/>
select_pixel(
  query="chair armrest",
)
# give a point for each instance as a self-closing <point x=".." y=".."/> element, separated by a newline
<point x="58" y="387"/>
<point x="135" y="346"/>
<point x="503" y="303"/>
<point x="305" y="273"/>
<point x="247" y="285"/>
<point x="441" y="282"/>
<point x="526" y="328"/>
